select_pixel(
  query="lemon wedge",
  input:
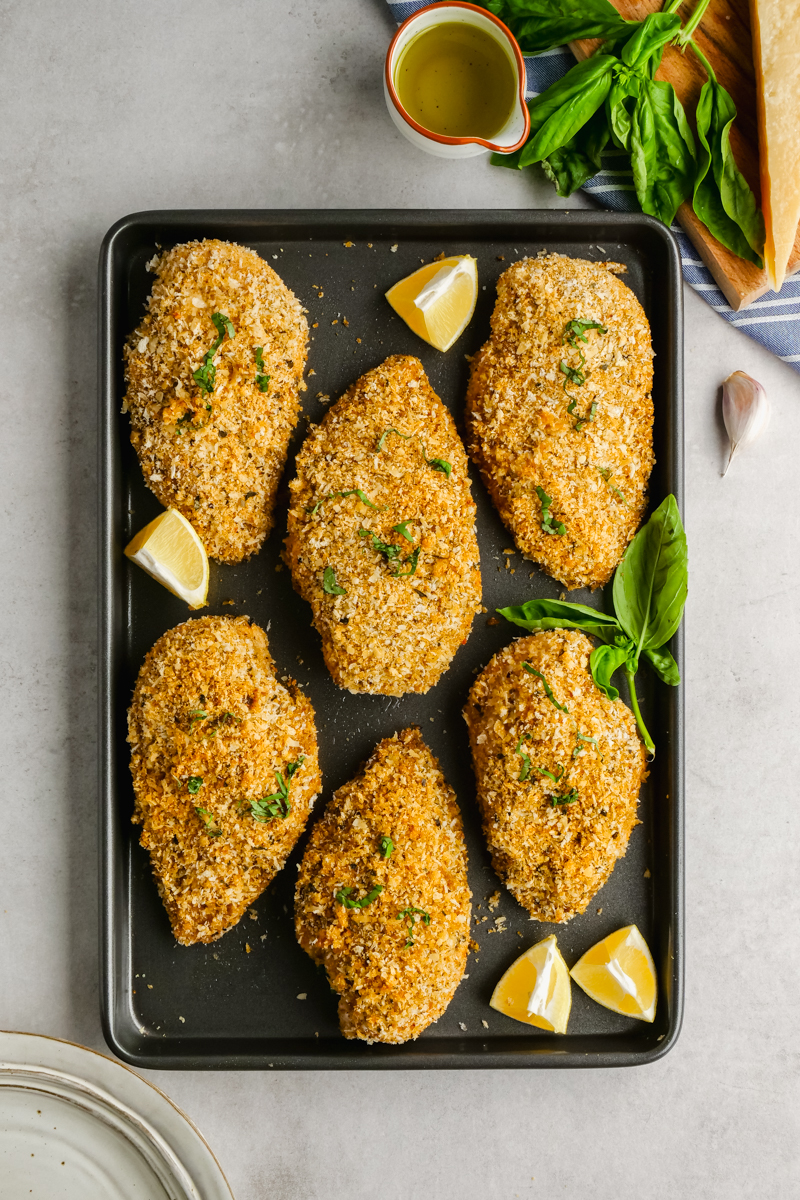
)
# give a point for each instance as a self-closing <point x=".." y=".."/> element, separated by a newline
<point x="170" y="550"/>
<point x="619" y="973"/>
<point x="536" y="989"/>
<point x="438" y="300"/>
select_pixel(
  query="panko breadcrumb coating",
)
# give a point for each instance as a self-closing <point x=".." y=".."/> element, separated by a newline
<point x="592" y="463"/>
<point x="557" y="790"/>
<point x="392" y="574"/>
<point x="394" y="834"/>
<point x="211" y="730"/>
<point x="216" y="456"/>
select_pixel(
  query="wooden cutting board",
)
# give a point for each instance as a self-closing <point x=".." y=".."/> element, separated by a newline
<point x="724" y="38"/>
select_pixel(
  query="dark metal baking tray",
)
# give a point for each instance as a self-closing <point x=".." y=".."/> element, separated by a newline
<point x="235" y="1003"/>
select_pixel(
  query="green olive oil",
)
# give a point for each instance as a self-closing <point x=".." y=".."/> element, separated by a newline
<point x="457" y="80"/>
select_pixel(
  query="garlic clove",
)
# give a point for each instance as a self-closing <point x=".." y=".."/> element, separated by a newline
<point x="745" y="411"/>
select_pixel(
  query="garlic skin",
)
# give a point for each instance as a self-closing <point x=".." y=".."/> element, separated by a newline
<point x="745" y="411"/>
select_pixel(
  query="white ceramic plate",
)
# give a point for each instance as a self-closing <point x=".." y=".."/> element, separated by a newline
<point x="75" y="1125"/>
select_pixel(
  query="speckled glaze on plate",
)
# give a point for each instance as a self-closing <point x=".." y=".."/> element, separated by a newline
<point x="254" y="999"/>
<point x="75" y="1125"/>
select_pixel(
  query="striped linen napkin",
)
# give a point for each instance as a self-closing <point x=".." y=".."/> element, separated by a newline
<point x="774" y="321"/>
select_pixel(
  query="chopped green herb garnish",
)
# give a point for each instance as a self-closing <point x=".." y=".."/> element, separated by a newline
<point x="363" y="497"/>
<point x="392" y="553"/>
<point x="410" y="562"/>
<point x="440" y="464"/>
<point x="277" y="804"/>
<point x="555" y="778"/>
<point x="261" y="380"/>
<point x="549" y="525"/>
<point x="206" y="374"/>
<point x="387" y="846"/>
<point x="388" y="551"/>
<point x="568" y="798"/>
<point x="382" y="439"/>
<point x="574" y="330"/>
<point x="526" y="758"/>
<point x="222" y="719"/>
<point x="344" y="897"/>
<point x="573" y="374"/>
<point x="577" y="329"/>
<point x="409" y="915"/>
<point x="526" y="666"/>
<point x="578" y="746"/>
<point x="606" y="474"/>
<point x="193" y="784"/>
<point x="579" y="424"/>
<point x="330" y="585"/>
<point x="402" y="529"/>
<point x="212" y="828"/>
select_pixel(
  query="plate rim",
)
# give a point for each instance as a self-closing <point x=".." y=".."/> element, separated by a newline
<point x="199" y="1174"/>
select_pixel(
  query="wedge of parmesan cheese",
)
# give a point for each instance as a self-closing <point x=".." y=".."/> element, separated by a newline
<point x="776" y="50"/>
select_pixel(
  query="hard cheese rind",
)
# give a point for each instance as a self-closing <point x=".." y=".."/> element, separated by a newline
<point x="776" y="50"/>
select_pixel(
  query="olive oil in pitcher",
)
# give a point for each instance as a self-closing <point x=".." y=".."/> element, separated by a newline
<point x="457" y="80"/>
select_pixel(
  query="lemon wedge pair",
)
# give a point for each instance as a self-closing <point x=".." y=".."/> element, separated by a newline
<point x="438" y="300"/>
<point x="618" y="972"/>
<point x="170" y="550"/>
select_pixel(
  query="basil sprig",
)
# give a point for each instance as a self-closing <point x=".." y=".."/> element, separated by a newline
<point x="614" y="97"/>
<point x="540" y="25"/>
<point x="649" y="594"/>
<point x="722" y="197"/>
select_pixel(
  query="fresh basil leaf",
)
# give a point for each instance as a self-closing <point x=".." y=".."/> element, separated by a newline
<point x="662" y="151"/>
<point x="565" y="107"/>
<point x="643" y="50"/>
<point x="603" y="662"/>
<point x="540" y="25"/>
<point x="507" y="160"/>
<point x="722" y="197"/>
<point x="664" y="666"/>
<point x="572" y="165"/>
<point x="402" y="529"/>
<point x="558" y="614"/>
<point x="650" y="583"/>
<point x="619" y="106"/>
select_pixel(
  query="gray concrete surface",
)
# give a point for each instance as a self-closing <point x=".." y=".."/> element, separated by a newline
<point x="112" y="108"/>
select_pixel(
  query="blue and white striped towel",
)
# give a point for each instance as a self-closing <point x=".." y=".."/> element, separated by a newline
<point x="773" y="320"/>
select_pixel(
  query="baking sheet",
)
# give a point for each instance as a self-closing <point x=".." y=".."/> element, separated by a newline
<point x="236" y="1003"/>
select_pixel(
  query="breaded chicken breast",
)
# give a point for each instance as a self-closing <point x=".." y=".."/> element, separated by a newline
<point x="382" y="533"/>
<point x="559" y="415"/>
<point x="382" y="899"/>
<point x="213" y="374"/>
<point x="558" y="769"/>
<point x="225" y="771"/>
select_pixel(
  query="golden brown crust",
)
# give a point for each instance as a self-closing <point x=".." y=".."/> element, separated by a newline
<point x="207" y="706"/>
<point x="553" y="857"/>
<point x="219" y="466"/>
<point x="519" y="430"/>
<point x="390" y="991"/>
<point x="388" y="633"/>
